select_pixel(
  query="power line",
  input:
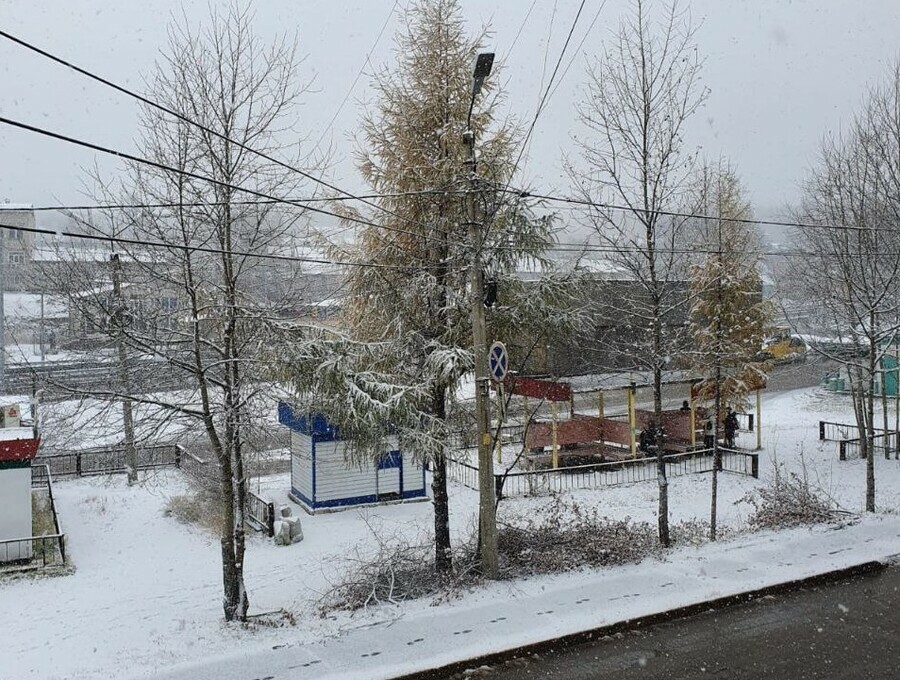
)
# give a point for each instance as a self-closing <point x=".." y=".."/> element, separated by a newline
<point x="199" y="249"/>
<point x="203" y="204"/>
<point x="359" y="73"/>
<point x="187" y="173"/>
<point x="186" y="119"/>
<point x="524" y="193"/>
<point x="541" y="104"/>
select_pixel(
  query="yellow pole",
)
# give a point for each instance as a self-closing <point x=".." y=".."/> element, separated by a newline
<point x="631" y="418"/>
<point x="758" y="421"/>
<point x="554" y="443"/>
<point x="600" y="404"/>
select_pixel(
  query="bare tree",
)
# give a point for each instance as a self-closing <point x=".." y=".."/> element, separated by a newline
<point x="852" y="242"/>
<point x="639" y="96"/>
<point x="206" y="306"/>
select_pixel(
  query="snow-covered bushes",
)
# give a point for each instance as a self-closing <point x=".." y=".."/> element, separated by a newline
<point x="562" y="536"/>
<point x="790" y="501"/>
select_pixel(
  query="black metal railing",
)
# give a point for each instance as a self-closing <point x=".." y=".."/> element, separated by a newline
<point x="851" y="444"/>
<point x="110" y="460"/>
<point x="532" y="482"/>
<point x="260" y="514"/>
<point x="882" y="445"/>
<point x="835" y="432"/>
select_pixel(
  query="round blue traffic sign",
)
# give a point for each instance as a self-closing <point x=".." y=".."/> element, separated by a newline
<point x="498" y="361"/>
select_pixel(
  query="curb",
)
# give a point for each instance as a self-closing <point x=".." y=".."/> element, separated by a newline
<point x="571" y="639"/>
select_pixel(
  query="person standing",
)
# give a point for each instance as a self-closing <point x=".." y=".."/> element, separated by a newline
<point x="731" y="427"/>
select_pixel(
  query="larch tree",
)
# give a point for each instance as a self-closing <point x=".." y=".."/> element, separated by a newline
<point x="729" y="317"/>
<point x="406" y="347"/>
<point x="640" y="94"/>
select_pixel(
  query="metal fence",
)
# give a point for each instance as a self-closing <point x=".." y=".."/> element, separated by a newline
<point x="835" y="432"/>
<point x="882" y="444"/>
<point x="850" y="443"/>
<point x="260" y="514"/>
<point x="110" y="460"/>
<point x="38" y="551"/>
<point x="597" y="475"/>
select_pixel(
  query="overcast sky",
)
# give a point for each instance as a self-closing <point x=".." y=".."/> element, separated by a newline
<point x="781" y="74"/>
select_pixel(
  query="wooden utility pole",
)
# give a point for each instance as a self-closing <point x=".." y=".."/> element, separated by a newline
<point x="119" y="320"/>
<point x="487" y="517"/>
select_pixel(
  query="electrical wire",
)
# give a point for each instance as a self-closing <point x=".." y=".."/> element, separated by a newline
<point x="359" y="73"/>
<point x="186" y="173"/>
<point x="186" y="119"/>
<point x="200" y="249"/>
<point x="203" y="204"/>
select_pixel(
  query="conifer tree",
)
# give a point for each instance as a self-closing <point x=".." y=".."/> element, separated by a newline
<point x="407" y="342"/>
<point x="729" y="318"/>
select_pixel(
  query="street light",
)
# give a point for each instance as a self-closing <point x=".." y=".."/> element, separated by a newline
<point x="487" y="523"/>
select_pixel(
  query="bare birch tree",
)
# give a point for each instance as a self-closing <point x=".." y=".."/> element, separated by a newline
<point x="640" y="93"/>
<point x="204" y="307"/>
<point x="852" y="243"/>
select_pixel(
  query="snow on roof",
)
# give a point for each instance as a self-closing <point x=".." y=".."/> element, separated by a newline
<point x="16" y="206"/>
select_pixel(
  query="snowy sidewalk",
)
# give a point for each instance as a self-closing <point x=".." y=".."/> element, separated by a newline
<point x="505" y="616"/>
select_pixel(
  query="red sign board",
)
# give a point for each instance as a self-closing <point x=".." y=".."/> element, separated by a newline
<point x="538" y="389"/>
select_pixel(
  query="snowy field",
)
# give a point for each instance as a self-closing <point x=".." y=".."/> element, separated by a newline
<point x="146" y="591"/>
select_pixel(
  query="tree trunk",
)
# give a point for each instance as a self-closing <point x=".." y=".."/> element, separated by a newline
<point x="870" y="429"/>
<point x="443" y="554"/>
<point x="661" y="478"/>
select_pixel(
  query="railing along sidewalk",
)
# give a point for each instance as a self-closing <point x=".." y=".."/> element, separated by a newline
<point x="597" y="475"/>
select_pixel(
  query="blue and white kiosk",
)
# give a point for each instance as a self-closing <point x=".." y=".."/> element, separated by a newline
<point x="322" y="479"/>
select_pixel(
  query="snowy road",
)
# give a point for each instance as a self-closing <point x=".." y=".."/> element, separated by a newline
<point x="842" y="630"/>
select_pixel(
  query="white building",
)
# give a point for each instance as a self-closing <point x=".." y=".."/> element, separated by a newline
<point x="322" y="479"/>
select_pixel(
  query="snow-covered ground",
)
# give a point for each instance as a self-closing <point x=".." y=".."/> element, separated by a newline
<point x="145" y="595"/>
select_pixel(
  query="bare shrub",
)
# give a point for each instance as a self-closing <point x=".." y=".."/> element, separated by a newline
<point x="200" y="507"/>
<point x="562" y="536"/>
<point x="399" y="569"/>
<point x="565" y="536"/>
<point x="790" y="501"/>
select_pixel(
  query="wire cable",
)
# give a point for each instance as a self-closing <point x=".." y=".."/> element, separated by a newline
<point x="199" y="249"/>
<point x="187" y="173"/>
<point x="186" y="119"/>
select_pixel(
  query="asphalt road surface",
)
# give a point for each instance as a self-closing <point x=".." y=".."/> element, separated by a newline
<point x="849" y="629"/>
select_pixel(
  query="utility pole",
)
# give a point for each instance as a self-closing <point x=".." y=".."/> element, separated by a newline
<point x="487" y="518"/>
<point x="119" y="320"/>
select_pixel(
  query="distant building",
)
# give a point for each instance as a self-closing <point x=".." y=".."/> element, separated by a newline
<point x="17" y="244"/>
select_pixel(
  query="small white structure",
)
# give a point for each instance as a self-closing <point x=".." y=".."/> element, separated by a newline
<point x="18" y="447"/>
<point x="322" y="479"/>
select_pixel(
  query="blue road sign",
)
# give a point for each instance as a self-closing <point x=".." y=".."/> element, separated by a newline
<point x="498" y="361"/>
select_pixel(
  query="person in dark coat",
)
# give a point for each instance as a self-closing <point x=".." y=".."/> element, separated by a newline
<point x="731" y="427"/>
<point x="647" y="441"/>
<point x="709" y="434"/>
